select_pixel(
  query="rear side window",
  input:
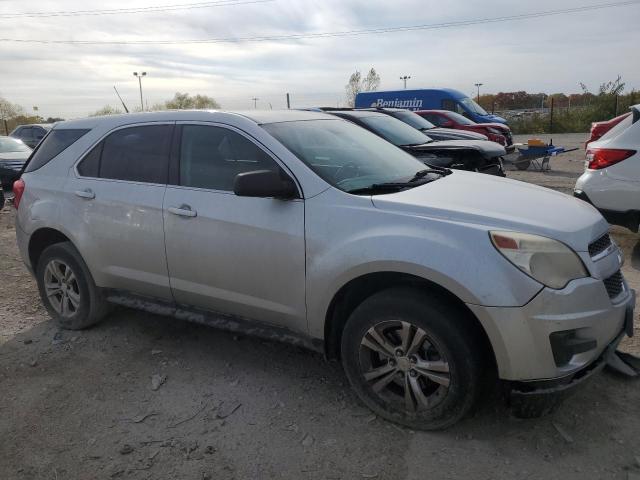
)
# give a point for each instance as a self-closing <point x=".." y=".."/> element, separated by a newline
<point x="55" y="143"/>
<point x="135" y="154"/>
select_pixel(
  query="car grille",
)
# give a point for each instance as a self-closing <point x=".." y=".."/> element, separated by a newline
<point x="509" y="138"/>
<point x="600" y="245"/>
<point x="614" y="284"/>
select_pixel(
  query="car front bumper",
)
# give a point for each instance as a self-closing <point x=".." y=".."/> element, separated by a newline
<point x="559" y="332"/>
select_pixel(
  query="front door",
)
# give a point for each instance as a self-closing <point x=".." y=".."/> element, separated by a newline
<point x="237" y="255"/>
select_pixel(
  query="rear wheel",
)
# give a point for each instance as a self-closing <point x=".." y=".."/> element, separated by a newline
<point x="410" y="358"/>
<point x="67" y="289"/>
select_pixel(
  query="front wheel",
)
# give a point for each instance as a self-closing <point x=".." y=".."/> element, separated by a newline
<point x="67" y="289"/>
<point x="411" y="358"/>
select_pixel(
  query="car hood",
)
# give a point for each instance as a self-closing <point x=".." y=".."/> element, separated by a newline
<point x="486" y="148"/>
<point x="14" y="155"/>
<point x="497" y="126"/>
<point x="452" y="134"/>
<point x="492" y="119"/>
<point x="500" y="204"/>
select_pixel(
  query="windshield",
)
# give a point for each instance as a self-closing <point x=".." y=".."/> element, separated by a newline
<point x="461" y="119"/>
<point x="8" y="144"/>
<point x="415" y="120"/>
<point x="473" y="106"/>
<point x="394" y="130"/>
<point x="345" y="155"/>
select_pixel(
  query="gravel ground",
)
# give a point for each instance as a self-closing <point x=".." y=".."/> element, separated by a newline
<point x="84" y="405"/>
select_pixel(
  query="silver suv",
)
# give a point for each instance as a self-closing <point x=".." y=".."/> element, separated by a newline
<point x="307" y="228"/>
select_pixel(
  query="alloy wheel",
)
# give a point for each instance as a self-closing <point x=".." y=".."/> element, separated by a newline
<point x="404" y="367"/>
<point x="61" y="287"/>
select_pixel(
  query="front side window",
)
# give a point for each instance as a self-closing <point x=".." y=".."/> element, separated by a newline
<point x="212" y="157"/>
<point x="53" y="144"/>
<point x="473" y="106"/>
<point x="343" y="154"/>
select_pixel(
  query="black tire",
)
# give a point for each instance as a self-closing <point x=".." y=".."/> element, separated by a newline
<point x="522" y="164"/>
<point x="448" y="333"/>
<point x="91" y="307"/>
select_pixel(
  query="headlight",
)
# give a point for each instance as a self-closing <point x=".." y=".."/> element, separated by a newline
<point x="494" y="130"/>
<point x="548" y="261"/>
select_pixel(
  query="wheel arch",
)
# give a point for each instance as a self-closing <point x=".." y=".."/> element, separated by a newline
<point x="41" y="239"/>
<point x="354" y="292"/>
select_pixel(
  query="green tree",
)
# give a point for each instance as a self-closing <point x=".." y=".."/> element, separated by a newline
<point x="184" y="101"/>
<point x="106" y="110"/>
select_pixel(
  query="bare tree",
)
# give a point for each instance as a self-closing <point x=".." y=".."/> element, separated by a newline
<point x="357" y="84"/>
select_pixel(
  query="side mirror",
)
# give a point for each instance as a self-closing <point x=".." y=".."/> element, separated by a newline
<point x="265" y="184"/>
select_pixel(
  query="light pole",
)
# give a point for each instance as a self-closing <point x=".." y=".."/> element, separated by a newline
<point x="405" y="78"/>
<point x="255" y="102"/>
<point x="478" y="85"/>
<point x="140" y="75"/>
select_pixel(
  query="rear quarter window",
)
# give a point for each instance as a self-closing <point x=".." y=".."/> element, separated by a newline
<point x="53" y="144"/>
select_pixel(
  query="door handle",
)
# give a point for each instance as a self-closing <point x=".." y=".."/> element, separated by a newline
<point x="86" y="193"/>
<point x="183" y="211"/>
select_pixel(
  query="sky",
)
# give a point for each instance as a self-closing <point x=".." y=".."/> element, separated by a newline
<point x="548" y="54"/>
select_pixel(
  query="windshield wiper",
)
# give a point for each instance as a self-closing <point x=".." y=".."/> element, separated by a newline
<point x="390" y="186"/>
<point x="442" y="171"/>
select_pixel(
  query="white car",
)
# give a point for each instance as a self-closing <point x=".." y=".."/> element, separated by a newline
<point x="611" y="181"/>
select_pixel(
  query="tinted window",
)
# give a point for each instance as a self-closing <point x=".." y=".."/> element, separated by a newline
<point x="211" y="157"/>
<point x="26" y="133"/>
<point x="137" y="154"/>
<point x="53" y="144"/>
<point x="38" y="133"/>
<point x="448" y="104"/>
<point x="90" y="165"/>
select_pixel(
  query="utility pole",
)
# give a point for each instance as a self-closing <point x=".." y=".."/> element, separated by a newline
<point x="255" y="102"/>
<point x="405" y="78"/>
<point x="142" y="74"/>
<point x="478" y="85"/>
<point x="288" y="102"/>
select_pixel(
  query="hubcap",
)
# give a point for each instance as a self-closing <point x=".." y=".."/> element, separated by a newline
<point x="403" y="366"/>
<point x="61" y="288"/>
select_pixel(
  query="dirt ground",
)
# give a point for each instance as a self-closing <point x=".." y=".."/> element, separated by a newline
<point x="82" y="405"/>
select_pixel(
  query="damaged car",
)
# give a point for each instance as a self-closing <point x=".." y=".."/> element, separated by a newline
<point x="472" y="155"/>
<point x="303" y="227"/>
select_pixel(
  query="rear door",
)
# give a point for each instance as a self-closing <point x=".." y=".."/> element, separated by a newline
<point x="114" y="204"/>
<point x="237" y="255"/>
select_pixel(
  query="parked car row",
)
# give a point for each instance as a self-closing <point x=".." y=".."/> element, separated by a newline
<point x="305" y="227"/>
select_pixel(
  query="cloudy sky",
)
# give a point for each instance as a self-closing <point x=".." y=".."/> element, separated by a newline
<point x="548" y="54"/>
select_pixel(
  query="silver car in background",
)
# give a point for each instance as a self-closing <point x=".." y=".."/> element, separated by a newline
<point x="307" y="228"/>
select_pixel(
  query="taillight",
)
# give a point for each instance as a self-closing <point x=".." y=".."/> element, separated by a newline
<point x="18" y="190"/>
<point x="600" y="158"/>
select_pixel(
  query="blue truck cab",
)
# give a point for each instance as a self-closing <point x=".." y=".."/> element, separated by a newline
<point x="428" y="99"/>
